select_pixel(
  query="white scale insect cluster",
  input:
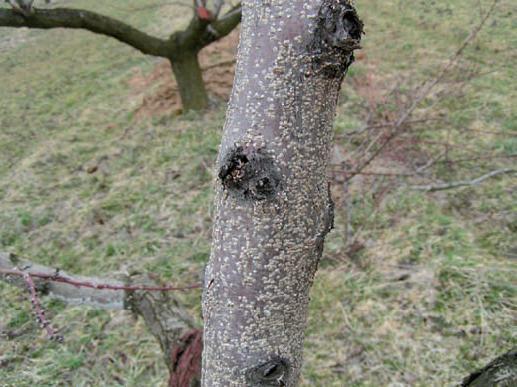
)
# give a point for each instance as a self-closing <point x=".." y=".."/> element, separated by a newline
<point x="266" y="248"/>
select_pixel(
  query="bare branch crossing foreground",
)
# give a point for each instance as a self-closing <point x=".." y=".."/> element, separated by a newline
<point x="169" y="322"/>
<point x="76" y="290"/>
<point x="92" y="284"/>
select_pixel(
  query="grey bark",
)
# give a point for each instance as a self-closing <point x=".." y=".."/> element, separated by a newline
<point x="272" y="207"/>
<point x="500" y="372"/>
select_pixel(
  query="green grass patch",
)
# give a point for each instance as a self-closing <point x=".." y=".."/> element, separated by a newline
<point x="86" y="187"/>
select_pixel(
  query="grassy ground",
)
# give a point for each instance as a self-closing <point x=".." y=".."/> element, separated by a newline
<point x="427" y="297"/>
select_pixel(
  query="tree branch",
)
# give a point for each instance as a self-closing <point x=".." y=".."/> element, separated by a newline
<point x="66" y="292"/>
<point x="93" y="284"/>
<point x="201" y="32"/>
<point x="223" y="26"/>
<point x="163" y="314"/>
<point x="462" y="183"/>
<point x="87" y="20"/>
<point x="422" y="92"/>
<point x="38" y="310"/>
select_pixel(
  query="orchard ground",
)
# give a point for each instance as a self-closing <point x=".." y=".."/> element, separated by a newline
<point x="100" y="174"/>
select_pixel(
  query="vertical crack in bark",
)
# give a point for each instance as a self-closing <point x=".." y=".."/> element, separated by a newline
<point x="327" y="224"/>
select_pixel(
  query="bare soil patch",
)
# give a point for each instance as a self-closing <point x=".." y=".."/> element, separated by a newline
<point x="157" y="92"/>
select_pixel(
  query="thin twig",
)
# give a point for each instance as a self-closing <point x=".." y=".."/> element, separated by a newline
<point x="39" y="311"/>
<point x="370" y="173"/>
<point x="479" y="157"/>
<point x="367" y="128"/>
<point x="163" y="314"/>
<point x="99" y="286"/>
<point x="430" y="163"/>
<point x="494" y="132"/>
<point x="462" y="183"/>
<point x="355" y="172"/>
<point x="424" y="91"/>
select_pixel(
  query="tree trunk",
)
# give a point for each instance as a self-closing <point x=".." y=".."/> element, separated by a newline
<point x="272" y="207"/>
<point x="188" y="74"/>
<point x="500" y="372"/>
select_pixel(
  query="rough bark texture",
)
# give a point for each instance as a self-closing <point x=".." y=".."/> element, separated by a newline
<point x="500" y="372"/>
<point x="273" y="208"/>
<point x="181" y="48"/>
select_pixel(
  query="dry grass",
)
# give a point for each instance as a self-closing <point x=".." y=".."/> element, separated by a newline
<point x="428" y="295"/>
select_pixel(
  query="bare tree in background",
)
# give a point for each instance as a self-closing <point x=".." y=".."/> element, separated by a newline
<point x="181" y="48"/>
<point x="273" y="207"/>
